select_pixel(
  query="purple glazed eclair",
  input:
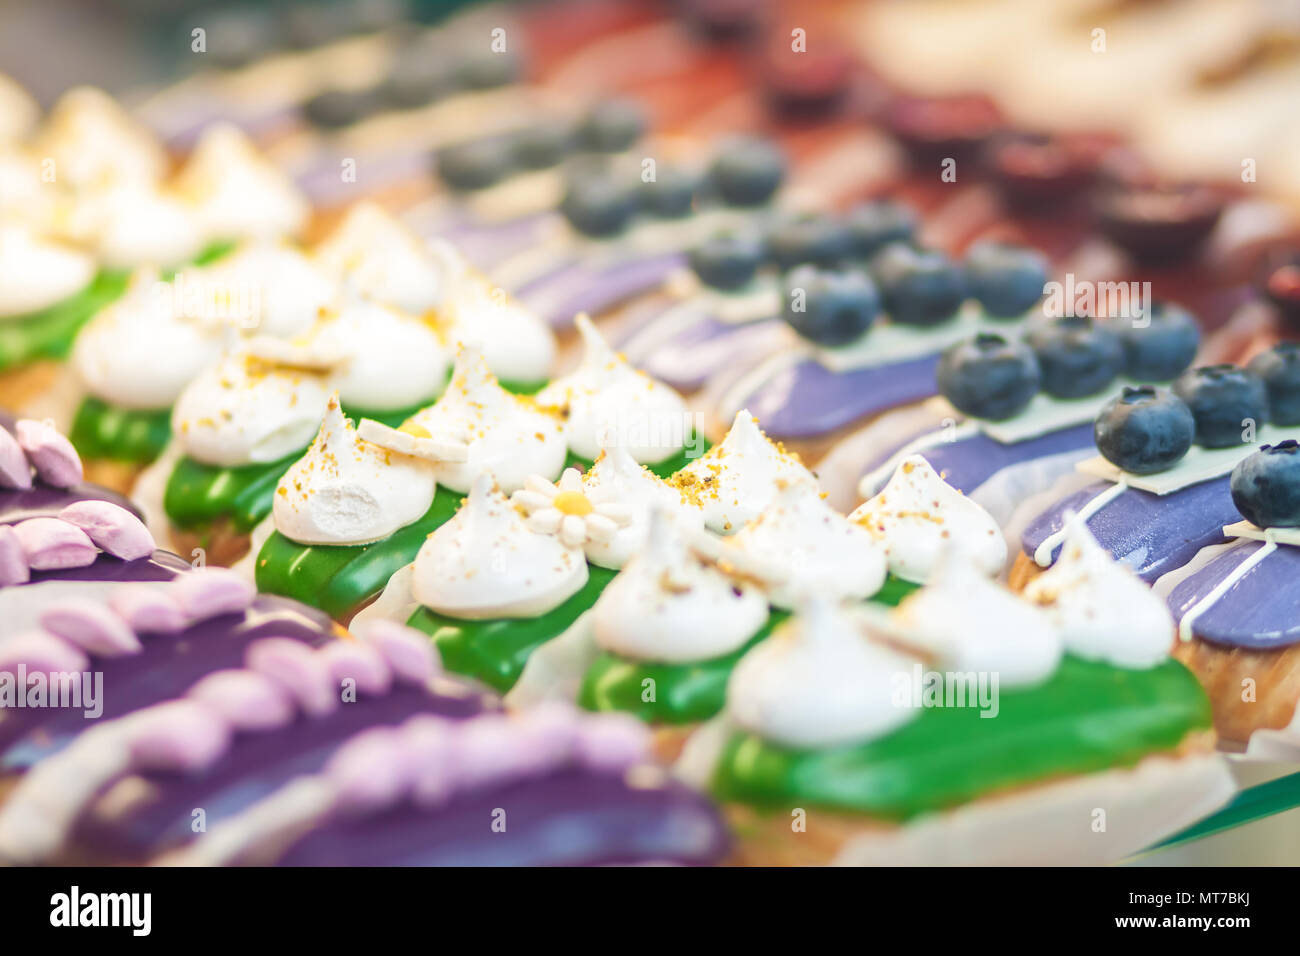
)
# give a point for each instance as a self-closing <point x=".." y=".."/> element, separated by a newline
<point x="547" y="787"/>
<point x="125" y="790"/>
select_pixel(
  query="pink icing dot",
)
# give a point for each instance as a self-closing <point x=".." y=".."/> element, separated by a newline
<point x="41" y="652"/>
<point x="489" y="750"/>
<point x="92" y="627"/>
<point x="300" y="670"/>
<point x="409" y="653"/>
<point x="613" y="742"/>
<point x="148" y="609"/>
<point x="245" y="699"/>
<point x="208" y="592"/>
<point x="179" y="735"/>
<point x="370" y="771"/>
<point x="53" y="545"/>
<point x="362" y="663"/>
<point x="432" y="752"/>
<point x="549" y="734"/>
<point x="15" y="471"/>
<point x="112" y="528"/>
<point x="49" y="452"/>
<point x="13" y="562"/>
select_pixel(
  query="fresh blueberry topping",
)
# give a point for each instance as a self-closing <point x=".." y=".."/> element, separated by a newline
<point x="672" y="193"/>
<point x="873" y="225"/>
<point x="1160" y="345"/>
<point x="598" y="204"/>
<point x="1078" y="356"/>
<point x="238" y="36"/>
<point x="1225" y="400"/>
<point x="333" y="109"/>
<point x="1143" y="431"/>
<point x="728" y="260"/>
<point x="1266" y="486"/>
<point x="919" y="287"/>
<point x="989" y="377"/>
<point x="541" y="145"/>
<point x="486" y="69"/>
<point x="1007" y="280"/>
<point x="1279" y="368"/>
<point x="837" y="306"/>
<point x="612" y="126"/>
<point x="816" y="239"/>
<point x="476" y="164"/>
<point x="748" y="171"/>
<point x="421" y="74"/>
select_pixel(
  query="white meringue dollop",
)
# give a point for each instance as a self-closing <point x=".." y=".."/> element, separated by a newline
<point x="971" y="623"/>
<point x="1103" y="610"/>
<point x="347" y="491"/>
<point x="382" y="260"/>
<point x="269" y="286"/>
<point x="616" y="478"/>
<point x="820" y="682"/>
<point x="135" y="223"/>
<point x="670" y="605"/>
<point x="509" y="436"/>
<point x="36" y="273"/>
<point x="740" y="476"/>
<point x="518" y="345"/>
<point x="800" y="546"/>
<point x="918" y="517"/>
<point x="139" y="352"/>
<point x="607" y="401"/>
<point x="487" y="563"/>
<point x="95" y="143"/>
<point x="245" y="411"/>
<point x="237" y="192"/>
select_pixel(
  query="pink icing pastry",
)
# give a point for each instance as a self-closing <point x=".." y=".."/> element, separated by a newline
<point x="245" y="699"/>
<point x="148" y="610"/>
<point x="614" y="744"/>
<point x="112" y="528"/>
<point x="371" y="770"/>
<point x="91" y="626"/>
<point x="408" y="652"/>
<point x="296" y="667"/>
<point x="41" y="652"/>
<point x="362" y="663"/>
<point x="178" y="735"/>
<point x="13" y="562"/>
<point x="53" y="545"/>
<point x="15" y="471"/>
<point x="49" y="452"/>
<point x="207" y="592"/>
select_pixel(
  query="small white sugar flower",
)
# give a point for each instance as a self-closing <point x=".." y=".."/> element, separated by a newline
<point x="564" y="508"/>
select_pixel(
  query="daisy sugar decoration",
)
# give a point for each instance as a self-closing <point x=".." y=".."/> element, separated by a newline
<point x="564" y="508"/>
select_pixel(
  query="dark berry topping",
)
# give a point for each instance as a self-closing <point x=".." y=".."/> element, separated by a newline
<point x="1143" y="431"/>
<point x="1078" y="355"/>
<point x="830" y="307"/>
<point x="1228" y="403"/>
<point x="1266" y="486"/>
<point x="989" y="377"/>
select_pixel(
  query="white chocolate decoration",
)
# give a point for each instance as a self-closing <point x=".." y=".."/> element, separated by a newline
<point x="518" y="345"/>
<point x="346" y="491"/>
<point x="244" y="411"/>
<point x="607" y="401"/>
<point x="739" y="477"/>
<point x="393" y="360"/>
<point x="267" y="286"/>
<point x="918" y="517"/>
<point x="139" y="352"/>
<point x="970" y="623"/>
<point x="671" y="605"/>
<point x="820" y="681"/>
<point x="510" y="436"/>
<point x="36" y="273"/>
<point x="487" y="563"/>
<point x="93" y="143"/>
<point x="237" y="192"/>
<point x="382" y="260"/>
<point x="800" y="545"/>
<point x="563" y="508"/>
<point x="1102" y="609"/>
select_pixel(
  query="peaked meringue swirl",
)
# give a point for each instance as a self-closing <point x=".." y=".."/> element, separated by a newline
<point x="918" y="516"/>
<point x="36" y="273"/>
<point x="670" y="605"/>
<point x="739" y="477"/>
<point x="617" y="478"/>
<point x="518" y="345"/>
<point x="486" y="562"/>
<point x="508" y="435"/>
<point x="94" y="142"/>
<point x="382" y="260"/>
<point x="347" y="491"/>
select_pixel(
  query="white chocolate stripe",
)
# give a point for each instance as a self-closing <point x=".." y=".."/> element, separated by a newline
<point x="1043" y="554"/>
<point x="1222" y="588"/>
<point x="873" y="479"/>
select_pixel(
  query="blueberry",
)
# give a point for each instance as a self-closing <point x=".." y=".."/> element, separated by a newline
<point x="486" y="69"/>
<point x="612" y="126"/>
<point x="333" y="109"/>
<point x="475" y="164"/>
<point x="672" y="194"/>
<point x="728" y="260"/>
<point x="1143" y="431"/>
<point x="1161" y="350"/>
<point x="421" y="73"/>
<point x="598" y="204"/>
<point x="748" y="171"/>
<point x="1078" y="355"/>
<point x="1223" y="398"/>
<point x="1279" y="368"/>
<point x="541" y="145"/>
<point x="838" y="305"/>
<point x="1007" y="280"/>
<point x="989" y="377"/>
<point x="817" y="239"/>
<point x="873" y="225"/>
<point x="919" y="287"/>
<point x="1266" y="486"/>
